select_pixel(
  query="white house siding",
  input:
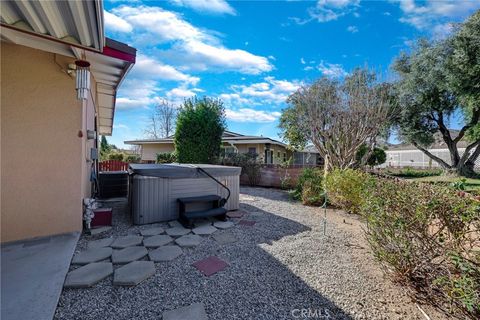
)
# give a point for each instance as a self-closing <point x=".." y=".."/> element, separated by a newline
<point x="417" y="159"/>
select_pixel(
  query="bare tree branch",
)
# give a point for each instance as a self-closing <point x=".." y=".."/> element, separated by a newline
<point x="162" y="121"/>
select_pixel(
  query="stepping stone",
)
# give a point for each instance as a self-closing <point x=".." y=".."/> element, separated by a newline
<point x="190" y="240"/>
<point x="194" y="311"/>
<point x="210" y="265"/>
<point x="105" y="242"/>
<point x="128" y="254"/>
<point x="235" y="214"/>
<point x="152" y="231"/>
<point x="248" y="223"/>
<point x="202" y="223"/>
<point x="224" y="238"/>
<point x="205" y="230"/>
<point x="177" y="231"/>
<point x="133" y="273"/>
<point x="92" y="255"/>
<point x="88" y="275"/>
<point x="96" y="231"/>
<point x="126" y="241"/>
<point x="165" y="253"/>
<point x="157" y="241"/>
<point x="174" y="223"/>
<point x="223" y="224"/>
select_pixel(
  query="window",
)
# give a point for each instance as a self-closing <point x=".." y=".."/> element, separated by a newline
<point x="252" y="150"/>
<point x="278" y="154"/>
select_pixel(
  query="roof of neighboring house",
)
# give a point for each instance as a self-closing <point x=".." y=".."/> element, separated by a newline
<point x="437" y="144"/>
<point x="228" y="136"/>
<point x="73" y="29"/>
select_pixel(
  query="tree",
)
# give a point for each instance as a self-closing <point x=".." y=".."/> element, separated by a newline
<point x="338" y="117"/>
<point x="162" y="121"/>
<point x="377" y="157"/>
<point x="439" y="80"/>
<point x="200" y="126"/>
<point x="105" y="148"/>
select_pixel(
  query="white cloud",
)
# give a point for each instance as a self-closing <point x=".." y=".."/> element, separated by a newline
<point x="147" y="67"/>
<point x="435" y="15"/>
<point x="328" y="10"/>
<point x="352" y="29"/>
<point x="308" y="68"/>
<point x="197" y="55"/>
<point x="270" y="91"/>
<point x="331" y="70"/>
<point x="208" y="6"/>
<point x="179" y="94"/>
<point x="302" y="61"/>
<point x="166" y="25"/>
<point x="251" y="115"/>
<point x="192" y="47"/>
<point x="116" y="23"/>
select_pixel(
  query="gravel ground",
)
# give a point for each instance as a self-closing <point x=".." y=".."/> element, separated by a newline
<point x="284" y="267"/>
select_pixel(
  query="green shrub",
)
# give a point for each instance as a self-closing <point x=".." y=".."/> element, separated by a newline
<point x="414" y="173"/>
<point x="167" y="157"/>
<point x="250" y="164"/>
<point x="429" y="237"/>
<point x="377" y="157"/>
<point x="116" y="156"/>
<point x="199" y="129"/>
<point x="132" y="158"/>
<point x="346" y="189"/>
<point x="309" y="188"/>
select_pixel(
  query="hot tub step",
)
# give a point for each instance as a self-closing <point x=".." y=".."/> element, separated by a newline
<point x="205" y="213"/>
<point x="207" y="198"/>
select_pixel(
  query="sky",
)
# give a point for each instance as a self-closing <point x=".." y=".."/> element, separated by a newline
<point x="253" y="54"/>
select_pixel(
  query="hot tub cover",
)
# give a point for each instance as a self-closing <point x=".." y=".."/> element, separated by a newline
<point x="179" y="171"/>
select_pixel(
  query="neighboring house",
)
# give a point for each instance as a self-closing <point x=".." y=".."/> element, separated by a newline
<point x="407" y="155"/>
<point x="270" y="151"/>
<point x="48" y="133"/>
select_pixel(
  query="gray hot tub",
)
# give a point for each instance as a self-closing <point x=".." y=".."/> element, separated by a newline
<point x="155" y="188"/>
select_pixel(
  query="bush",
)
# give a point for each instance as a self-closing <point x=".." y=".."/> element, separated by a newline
<point x="378" y="156"/>
<point x="116" y="156"/>
<point x="346" y="189"/>
<point x="429" y="237"/>
<point x="309" y="187"/>
<point x="167" y="157"/>
<point x="132" y="158"/>
<point x="198" y="134"/>
<point x="249" y="163"/>
<point x="414" y="173"/>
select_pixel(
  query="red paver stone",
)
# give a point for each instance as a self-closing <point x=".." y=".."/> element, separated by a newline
<point x="210" y="265"/>
<point x="236" y="214"/>
<point x="248" y="223"/>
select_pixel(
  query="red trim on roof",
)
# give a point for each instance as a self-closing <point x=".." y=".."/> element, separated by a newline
<point x="114" y="53"/>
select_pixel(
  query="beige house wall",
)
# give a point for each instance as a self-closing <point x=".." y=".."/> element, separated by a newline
<point x="44" y="172"/>
<point x="149" y="151"/>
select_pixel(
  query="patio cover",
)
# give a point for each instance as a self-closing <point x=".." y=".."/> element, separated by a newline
<point x="73" y="29"/>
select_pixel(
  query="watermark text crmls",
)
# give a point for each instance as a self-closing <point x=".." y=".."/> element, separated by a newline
<point x="311" y="313"/>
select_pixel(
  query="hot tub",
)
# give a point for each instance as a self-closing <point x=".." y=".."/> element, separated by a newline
<point x="155" y="188"/>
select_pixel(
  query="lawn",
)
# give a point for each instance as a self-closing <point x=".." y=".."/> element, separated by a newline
<point x="470" y="184"/>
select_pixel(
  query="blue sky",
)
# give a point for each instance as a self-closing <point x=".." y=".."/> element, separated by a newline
<point x="253" y="54"/>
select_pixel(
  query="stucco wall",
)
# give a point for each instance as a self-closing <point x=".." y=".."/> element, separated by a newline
<point x="42" y="167"/>
<point x="149" y="151"/>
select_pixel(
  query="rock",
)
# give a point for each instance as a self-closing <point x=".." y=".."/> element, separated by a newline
<point x="157" y="241"/>
<point x="133" y="273"/>
<point x="127" y="241"/>
<point x="152" y="231"/>
<point x="190" y="240"/>
<point x="129" y="254"/>
<point x="88" y="275"/>
<point x="92" y="255"/>
<point x="165" y="253"/>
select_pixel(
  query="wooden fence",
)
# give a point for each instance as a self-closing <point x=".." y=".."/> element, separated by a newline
<point x="113" y="165"/>
<point x="272" y="176"/>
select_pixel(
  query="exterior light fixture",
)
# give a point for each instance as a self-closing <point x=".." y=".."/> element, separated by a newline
<point x="82" y="79"/>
